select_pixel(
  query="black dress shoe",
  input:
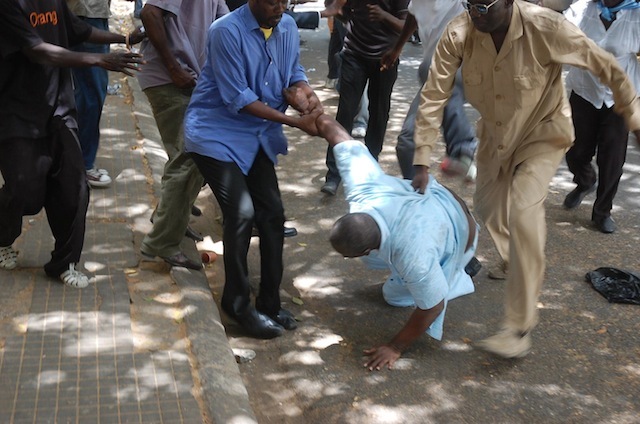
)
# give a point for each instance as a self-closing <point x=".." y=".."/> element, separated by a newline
<point x="575" y="197"/>
<point x="195" y="211"/>
<point x="605" y="225"/>
<point x="330" y="188"/>
<point x="473" y="267"/>
<point x="285" y="319"/>
<point x="180" y="259"/>
<point x="288" y="232"/>
<point x="193" y="234"/>
<point x="258" y="325"/>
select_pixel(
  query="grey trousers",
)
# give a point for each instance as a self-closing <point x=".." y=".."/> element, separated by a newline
<point x="459" y="134"/>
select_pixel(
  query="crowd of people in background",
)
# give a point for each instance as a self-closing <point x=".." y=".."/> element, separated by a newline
<point x="220" y="77"/>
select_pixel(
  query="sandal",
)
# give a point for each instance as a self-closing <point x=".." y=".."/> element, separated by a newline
<point x="73" y="278"/>
<point x="8" y="258"/>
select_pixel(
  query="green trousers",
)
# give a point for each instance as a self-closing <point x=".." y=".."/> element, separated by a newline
<point x="181" y="181"/>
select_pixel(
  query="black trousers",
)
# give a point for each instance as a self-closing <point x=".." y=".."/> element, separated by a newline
<point x="601" y="133"/>
<point x="354" y="74"/>
<point x="46" y="172"/>
<point x="245" y="199"/>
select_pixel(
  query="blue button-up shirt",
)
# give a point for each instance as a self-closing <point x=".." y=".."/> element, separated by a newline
<point x="241" y="68"/>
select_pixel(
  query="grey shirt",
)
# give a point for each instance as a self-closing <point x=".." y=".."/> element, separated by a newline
<point x="186" y="23"/>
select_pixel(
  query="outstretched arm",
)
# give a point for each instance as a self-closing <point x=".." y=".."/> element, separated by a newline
<point x="388" y="353"/>
<point x="53" y="55"/>
<point x="331" y="130"/>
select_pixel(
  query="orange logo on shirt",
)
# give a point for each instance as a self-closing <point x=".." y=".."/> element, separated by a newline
<point x="43" y="18"/>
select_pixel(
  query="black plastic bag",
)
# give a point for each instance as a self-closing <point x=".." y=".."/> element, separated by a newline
<point x="616" y="285"/>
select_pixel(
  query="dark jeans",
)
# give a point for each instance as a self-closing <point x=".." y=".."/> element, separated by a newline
<point x="46" y="172"/>
<point x="459" y="134"/>
<point x="354" y="74"/>
<point x="245" y="199"/>
<point x="604" y="134"/>
<point x="335" y="47"/>
<point x="90" y="92"/>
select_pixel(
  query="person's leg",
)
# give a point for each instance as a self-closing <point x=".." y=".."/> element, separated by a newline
<point x="230" y="189"/>
<point x="24" y="164"/>
<point x="66" y="203"/>
<point x="335" y="46"/>
<point x="352" y="81"/>
<point x="262" y="183"/>
<point x="379" y="93"/>
<point x="405" y="147"/>
<point x="168" y="104"/>
<point x="527" y="230"/>
<point x="612" y="152"/>
<point x="491" y="202"/>
<point x="459" y="134"/>
<point x="181" y="181"/>
<point x="586" y="121"/>
<point x="361" y="121"/>
<point x="229" y="185"/>
<point x="90" y="93"/>
<point x="137" y="8"/>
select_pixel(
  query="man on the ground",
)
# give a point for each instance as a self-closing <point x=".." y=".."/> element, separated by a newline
<point x="425" y="240"/>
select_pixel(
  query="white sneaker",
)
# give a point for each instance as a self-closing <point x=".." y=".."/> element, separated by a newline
<point x="507" y="343"/>
<point x="8" y="258"/>
<point x="98" y="177"/>
<point x="358" y="132"/>
<point x="74" y="278"/>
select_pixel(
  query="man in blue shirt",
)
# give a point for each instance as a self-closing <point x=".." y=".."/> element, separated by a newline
<point x="233" y="130"/>
<point x="425" y="241"/>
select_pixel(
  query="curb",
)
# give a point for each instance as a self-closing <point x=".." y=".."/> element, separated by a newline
<point x="224" y="392"/>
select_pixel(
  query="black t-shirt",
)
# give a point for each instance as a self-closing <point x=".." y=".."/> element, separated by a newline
<point x="370" y="39"/>
<point x="31" y="94"/>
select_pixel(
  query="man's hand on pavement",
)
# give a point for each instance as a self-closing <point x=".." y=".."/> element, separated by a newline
<point x="381" y="356"/>
<point x="637" y="134"/>
<point x="421" y="179"/>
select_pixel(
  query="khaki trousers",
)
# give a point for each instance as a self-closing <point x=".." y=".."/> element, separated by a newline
<point x="512" y="209"/>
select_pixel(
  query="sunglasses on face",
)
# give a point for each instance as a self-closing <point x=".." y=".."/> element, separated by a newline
<point x="481" y="9"/>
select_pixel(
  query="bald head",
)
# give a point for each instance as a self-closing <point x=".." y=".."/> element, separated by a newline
<point x="355" y="235"/>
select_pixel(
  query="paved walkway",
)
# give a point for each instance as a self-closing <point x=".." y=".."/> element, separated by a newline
<point x="139" y="344"/>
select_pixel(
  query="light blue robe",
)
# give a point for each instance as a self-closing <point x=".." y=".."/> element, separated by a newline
<point x="423" y="235"/>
